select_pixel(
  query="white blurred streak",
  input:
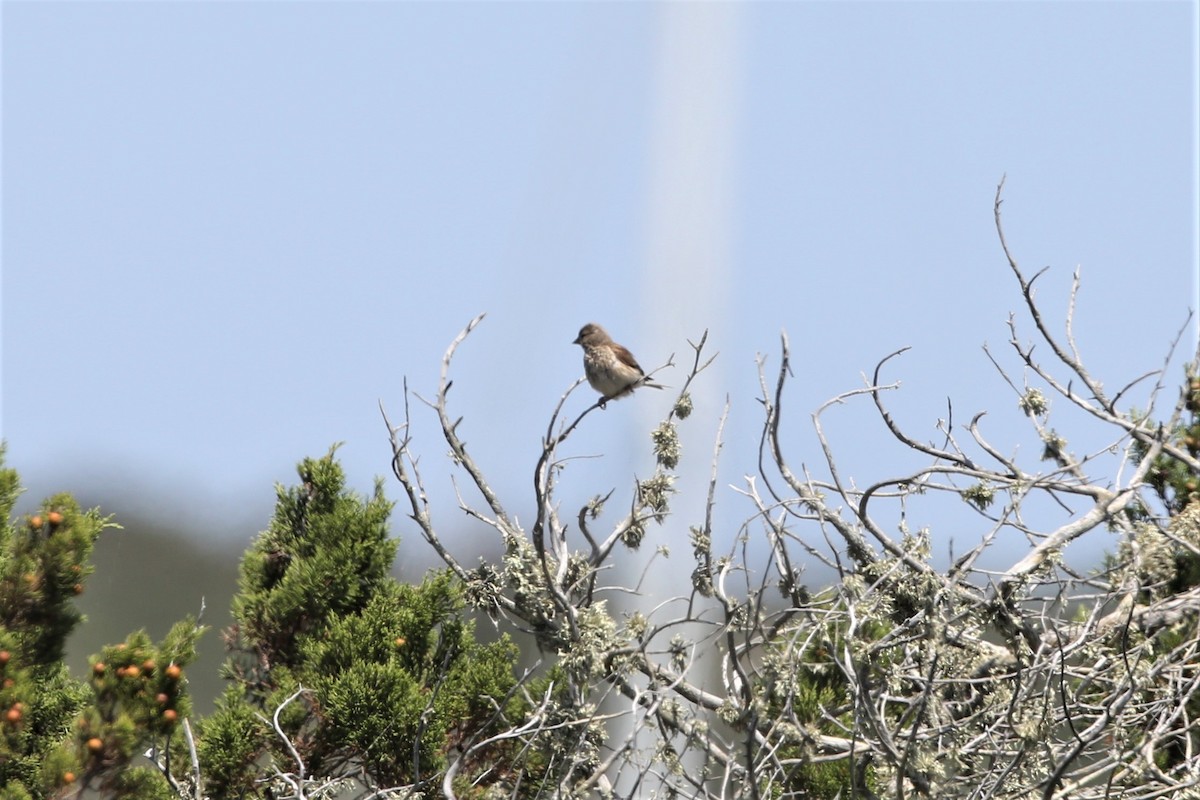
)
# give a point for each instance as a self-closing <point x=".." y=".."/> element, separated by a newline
<point x="690" y="192"/>
<point x="688" y="244"/>
<point x="690" y="217"/>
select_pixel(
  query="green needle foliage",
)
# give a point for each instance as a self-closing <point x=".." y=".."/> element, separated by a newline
<point x="370" y="677"/>
<point x="43" y="566"/>
<point x="57" y="733"/>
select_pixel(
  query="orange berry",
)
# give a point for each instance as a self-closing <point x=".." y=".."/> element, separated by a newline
<point x="55" y="519"/>
<point x="401" y="641"/>
<point x="4" y="657"/>
<point x="98" y="668"/>
<point x="162" y="698"/>
<point x="13" y="715"/>
<point x="77" y="588"/>
<point x="170" y="715"/>
<point x="35" y="521"/>
<point x="95" y="744"/>
<point x="173" y="671"/>
<point x="8" y="683"/>
<point x="132" y="672"/>
<point x="68" y="777"/>
<point x="148" y="665"/>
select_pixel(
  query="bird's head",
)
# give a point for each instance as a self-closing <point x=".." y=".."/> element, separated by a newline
<point x="591" y="335"/>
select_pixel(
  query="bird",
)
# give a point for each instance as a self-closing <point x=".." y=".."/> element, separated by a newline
<point x="610" y="368"/>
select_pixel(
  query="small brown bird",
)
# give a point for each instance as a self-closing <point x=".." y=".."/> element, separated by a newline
<point x="610" y="368"/>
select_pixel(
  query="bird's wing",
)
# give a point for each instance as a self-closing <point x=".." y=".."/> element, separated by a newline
<point x="626" y="358"/>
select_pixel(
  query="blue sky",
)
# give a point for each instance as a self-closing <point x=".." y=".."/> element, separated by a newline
<point x="230" y="229"/>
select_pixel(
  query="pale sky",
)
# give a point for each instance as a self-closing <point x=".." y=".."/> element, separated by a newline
<point x="230" y="229"/>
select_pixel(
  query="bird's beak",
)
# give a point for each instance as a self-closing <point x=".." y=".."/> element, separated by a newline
<point x="576" y="340"/>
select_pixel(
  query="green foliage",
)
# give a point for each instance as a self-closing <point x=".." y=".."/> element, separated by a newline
<point x="139" y="699"/>
<point x="39" y="707"/>
<point x="410" y="655"/>
<point x="231" y="741"/>
<point x="324" y="554"/>
<point x="801" y="682"/>
<point x="368" y="675"/>
<point x="57" y="731"/>
<point x="43" y="567"/>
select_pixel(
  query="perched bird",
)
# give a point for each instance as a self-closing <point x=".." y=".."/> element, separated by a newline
<point x="610" y="368"/>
